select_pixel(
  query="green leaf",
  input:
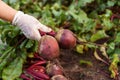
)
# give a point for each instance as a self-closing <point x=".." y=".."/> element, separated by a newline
<point x="60" y="16"/>
<point x="2" y="48"/>
<point x="29" y="44"/>
<point x="93" y="15"/>
<point x="107" y="24"/>
<point x="89" y="26"/>
<point x="79" y="16"/>
<point x="92" y="46"/>
<point x="34" y="48"/>
<point x="47" y="18"/>
<point x="13" y="1"/>
<point x="12" y="71"/>
<point x="5" y="53"/>
<point x="4" y="34"/>
<point x="84" y="2"/>
<point x="111" y="3"/>
<point x="98" y="35"/>
<point x="111" y="48"/>
<point x="13" y="33"/>
<point x="22" y="45"/>
<point x="117" y="39"/>
<point x="117" y="51"/>
<point x="6" y="58"/>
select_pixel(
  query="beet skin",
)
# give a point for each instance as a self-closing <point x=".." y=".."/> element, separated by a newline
<point x="66" y="38"/>
<point x="53" y="69"/>
<point x="48" y="47"/>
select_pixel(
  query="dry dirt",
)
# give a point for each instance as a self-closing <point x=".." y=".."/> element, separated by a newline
<point x="69" y="60"/>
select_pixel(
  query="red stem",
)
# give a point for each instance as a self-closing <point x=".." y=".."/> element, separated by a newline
<point x="39" y="68"/>
<point x="23" y="76"/>
<point x="52" y="33"/>
<point x="114" y="16"/>
<point x="38" y="75"/>
<point x="37" y="56"/>
<point x="38" y="63"/>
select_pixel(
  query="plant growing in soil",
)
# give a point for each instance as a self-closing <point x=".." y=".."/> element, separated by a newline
<point x="53" y="69"/>
<point x="48" y="47"/>
<point x="66" y="38"/>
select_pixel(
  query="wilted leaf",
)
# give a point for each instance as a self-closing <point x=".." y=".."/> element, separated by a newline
<point x="98" y="57"/>
<point x="114" y="66"/>
<point x="88" y="63"/>
<point x="80" y="48"/>
<point x="103" y="50"/>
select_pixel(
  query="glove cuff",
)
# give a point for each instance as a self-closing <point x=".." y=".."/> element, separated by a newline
<point x="17" y="17"/>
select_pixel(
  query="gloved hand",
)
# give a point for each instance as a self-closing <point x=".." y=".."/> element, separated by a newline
<point x="29" y="25"/>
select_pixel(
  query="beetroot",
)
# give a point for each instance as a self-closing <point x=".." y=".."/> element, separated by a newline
<point x="59" y="77"/>
<point x="48" y="47"/>
<point x="66" y="38"/>
<point x="53" y="69"/>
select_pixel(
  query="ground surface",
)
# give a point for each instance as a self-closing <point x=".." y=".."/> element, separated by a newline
<point x="69" y="60"/>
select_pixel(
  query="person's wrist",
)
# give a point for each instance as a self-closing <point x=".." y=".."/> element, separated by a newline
<point x="7" y="13"/>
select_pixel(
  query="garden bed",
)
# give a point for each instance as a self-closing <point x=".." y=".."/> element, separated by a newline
<point x="70" y="61"/>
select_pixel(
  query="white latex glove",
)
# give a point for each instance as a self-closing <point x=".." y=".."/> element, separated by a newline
<point x="29" y="25"/>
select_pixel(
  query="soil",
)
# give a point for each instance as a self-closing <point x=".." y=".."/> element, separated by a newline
<point x="69" y="60"/>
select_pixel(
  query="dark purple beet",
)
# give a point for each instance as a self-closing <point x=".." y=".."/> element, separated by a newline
<point x="66" y="38"/>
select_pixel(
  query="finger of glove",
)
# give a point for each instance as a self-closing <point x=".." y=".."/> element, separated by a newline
<point x="30" y="29"/>
<point x="43" y="27"/>
<point x="39" y="25"/>
<point x="31" y="33"/>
